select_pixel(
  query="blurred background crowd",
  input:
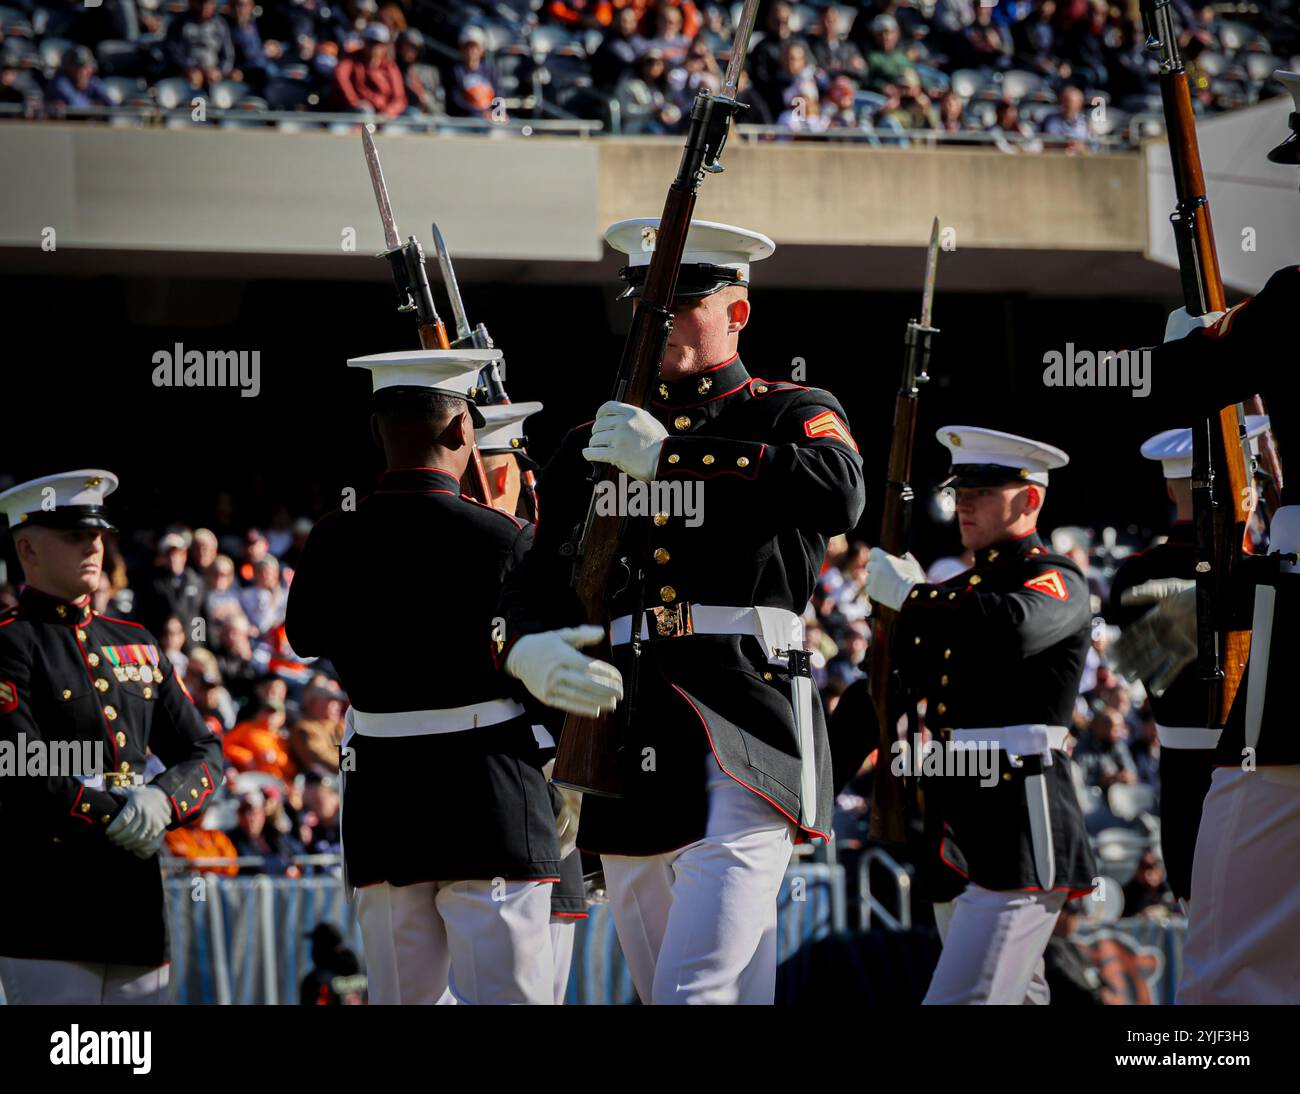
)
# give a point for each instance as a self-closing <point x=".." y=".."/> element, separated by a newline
<point x="1019" y="74"/>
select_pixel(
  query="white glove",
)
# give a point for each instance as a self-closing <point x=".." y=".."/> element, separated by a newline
<point x="1157" y="647"/>
<point x="890" y="578"/>
<point x="628" y="437"/>
<point x="150" y="847"/>
<point x="1180" y="324"/>
<point x="143" y="819"/>
<point x="551" y="667"/>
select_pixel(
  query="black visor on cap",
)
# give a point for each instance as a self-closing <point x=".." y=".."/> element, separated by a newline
<point x="982" y="474"/>
<point x="694" y="279"/>
<point x="66" y="517"/>
<point x="1288" y="152"/>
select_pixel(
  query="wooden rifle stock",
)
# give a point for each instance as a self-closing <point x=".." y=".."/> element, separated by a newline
<point x="1222" y="504"/>
<point x="889" y="804"/>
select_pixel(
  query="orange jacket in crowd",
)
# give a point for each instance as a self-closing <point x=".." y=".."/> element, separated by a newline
<point x="381" y="86"/>
<point x="573" y="14"/>
<point x="192" y="842"/>
<point x="255" y="746"/>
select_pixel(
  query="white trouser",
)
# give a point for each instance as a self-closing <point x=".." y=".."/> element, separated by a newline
<point x="470" y="941"/>
<point x="993" y="945"/>
<point x="563" y="932"/>
<point x="698" y="925"/>
<point x="31" y="981"/>
<point x="1243" y="943"/>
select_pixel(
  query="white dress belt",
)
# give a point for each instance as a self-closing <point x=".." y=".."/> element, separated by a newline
<point x="1187" y="736"/>
<point x="1022" y="740"/>
<point x="777" y="629"/>
<point x="423" y="723"/>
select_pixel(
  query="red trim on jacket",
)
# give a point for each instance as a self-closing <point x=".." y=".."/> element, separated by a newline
<point x="515" y="520"/>
<point x="112" y="619"/>
<point x="570" y="915"/>
<point x="814" y="832"/>
<point x="74" y="812"/>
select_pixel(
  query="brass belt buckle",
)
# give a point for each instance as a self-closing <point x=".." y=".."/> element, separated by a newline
<point x="672" y="622"/>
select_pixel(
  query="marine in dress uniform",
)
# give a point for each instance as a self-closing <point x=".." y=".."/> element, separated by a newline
<point x="997" y="652"/>
<point x="1179" y="701"/>
<point x="505" y="458"/>
<point x="1241" y="942"/>
<point x="448" y="833"/>
<point x="82" y="914"/>
<point x="726" y="761"/>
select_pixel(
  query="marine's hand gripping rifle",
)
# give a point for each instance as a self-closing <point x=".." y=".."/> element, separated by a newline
<point x="586" y="759"/>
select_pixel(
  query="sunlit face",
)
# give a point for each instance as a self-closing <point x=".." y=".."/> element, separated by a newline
<point x="64" y="562"/>
<point x="988" y="514"/>
<point x="704" y="332"/>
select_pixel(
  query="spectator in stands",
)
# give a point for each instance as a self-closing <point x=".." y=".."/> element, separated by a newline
<point x="803" y="108"/>
<point x="193" y="841"/>
<point x="474" y="80"/>
<point x="203" y="680"/>
<point x="368" y="82"/>
<point x="315" y="738"/>
<point x="335" y="978"/>
<point x="766" y="57"/>
<point x="1087" y="49"/>
<point x="1148" y="894"/>
<point x="254" y="837"/>
<point x="1010" y="134"/>
<point x="76" y="85"/>
<point x="715" y="28"/>
<point x="253" y="61"/>
<point x="261" y="743"/>
<point x="254" y="550"/>
<point x="887" y="63"/>
<point x="1034" y="41"/>
<point x="114" y="595"/>
<point x="840" y="109"/>
<point x="424" y="93"/>
<point x="203" y="554"/>
<point x="318" y="830"/>
<point x="173" y="638"/>
<point x="700" y="70"/>
<point x="263" y="601"/>
<point x="1102" y="755"/>
<point x="951" y="17"/>
<point x="392" y="16"/>
<point x="174" y="588"/>
<point x="352" y="20"/>
<point x="952" y="113"/>
<point x="645" y="98"/>
<point x="198" y="45"/>
<point x="984" y="44"/>
<point x="617" y="54"/>
<point x="667" y="36"/>
<point x="223" y="597"/>
<point x="833" y="53"/>
<point x="798" y="83"/>
<point x="1070" y="975"/>
<point x="10" y="74"/>
<point x="1069" y="122"/>
<point x="1146" y="750"/>
<point x="241" y="663"/>
<point x="1133" y="71"/>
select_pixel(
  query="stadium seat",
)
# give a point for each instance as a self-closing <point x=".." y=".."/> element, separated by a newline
<point x="563" y="70"/>
<point x="17" y="26"/>
<point x="1129" y="802"/>
<point x="933" y="78"/>
<point x="1017" y="83"/>
<point x="514" y="66"/>
<point x="967" y="81"/>
<point x="52" y="51"/>
<point x="1261" y="66"/>
<point x="1118" y="852"/>
<point x="1211" y="63"/>
<point x="587" y="102"/>
<point x="1034" y="113"/>
<point x="548" y="39"/>
<point x="122" y="89"/>
<point x="173" y="94"/>
<point x="119" y="58"/>
<point x="287" y="94"/>
<point x="1235" y="36"/>
<point x="227" y="93"/>
<point x="295" y="72"/>
<point x="803" y="19"/>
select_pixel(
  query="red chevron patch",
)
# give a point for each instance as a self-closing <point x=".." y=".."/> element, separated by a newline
<point x="828" y="424"/>
<point x="8" y="697"/>
<point x="1049" y="583"/>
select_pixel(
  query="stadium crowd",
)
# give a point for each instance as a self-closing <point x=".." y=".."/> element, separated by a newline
<point x="216" y="600"/>
<point x="1017" y="73"/>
